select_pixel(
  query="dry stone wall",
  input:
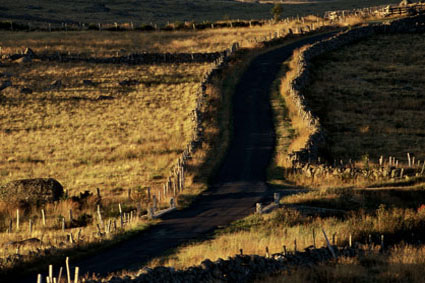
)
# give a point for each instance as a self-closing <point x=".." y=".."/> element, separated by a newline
<point x="240" y="268"/>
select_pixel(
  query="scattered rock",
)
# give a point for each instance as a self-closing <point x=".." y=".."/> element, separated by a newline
<point x="105" y="97"/>
<point x="29" y="53"/>
<point x="5" y="75"/>
<point x="31" y="191"/>
<point x="26" y="90"/>
<point x="14" y="57"/>
<point x="55" y="85"/>
<point x="23" y="60"/>
<point x="129" y="83"/>
<point x="89" y="83"/>
<point x="23" y="242"/>
<point x="5" y="84"/>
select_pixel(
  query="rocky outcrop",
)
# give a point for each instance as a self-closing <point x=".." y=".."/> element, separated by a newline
<point x="31" y="191"/>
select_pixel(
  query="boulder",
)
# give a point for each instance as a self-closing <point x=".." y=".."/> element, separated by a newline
<point x="26" y="90"/>
<point x="23" y="60"/>
<point x="5" y="84"/>
<point x="29" y="53"/>
<point x="31" y="191"/>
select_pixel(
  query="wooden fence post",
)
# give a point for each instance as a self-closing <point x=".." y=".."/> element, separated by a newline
<point x="99" y="215"/>
<point x="70" y="216"/>
<point x="154" y="203"/>
<point x="77" y="269"/>
<point x="329" y="245"/>
<point x="43" y="217"/>
<point x="409" y="162"/>
<point x="17" y="220"/>
<point x="276" y="198"/>
<point x="60" y="275"/>
<point x="68" y="272"/>
<point x="259" y="208"/>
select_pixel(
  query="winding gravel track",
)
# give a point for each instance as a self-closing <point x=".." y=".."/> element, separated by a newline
<point x="240" y="182"/>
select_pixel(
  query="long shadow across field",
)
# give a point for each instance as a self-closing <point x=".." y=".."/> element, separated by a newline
<point x="240" y="182"/>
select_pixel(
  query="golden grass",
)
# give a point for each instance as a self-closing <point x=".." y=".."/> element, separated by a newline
<point x="84" y="140"/>
<point x="283" y="226"/>
<point x="122" y="43"/>
<point x="126" y="142"/>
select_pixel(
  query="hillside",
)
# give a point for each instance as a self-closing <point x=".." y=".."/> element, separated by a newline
<point x="162" y="11"/>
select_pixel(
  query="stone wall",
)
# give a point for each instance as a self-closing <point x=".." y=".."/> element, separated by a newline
<point x="239" y="268"/>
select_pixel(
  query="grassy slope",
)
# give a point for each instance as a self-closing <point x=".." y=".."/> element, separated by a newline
<point x="162" y="11"/>
<point x="373" y="105"/>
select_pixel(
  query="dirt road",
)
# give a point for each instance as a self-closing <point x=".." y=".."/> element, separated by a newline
<point x="240" y="182"/>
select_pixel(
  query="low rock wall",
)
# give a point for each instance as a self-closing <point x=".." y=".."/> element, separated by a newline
<point x="240" y="268"/>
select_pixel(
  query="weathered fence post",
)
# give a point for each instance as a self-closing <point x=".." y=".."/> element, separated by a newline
<point x="259" y="208"/>
<point x="70" y="216"/>
<point x="77" y="269"/>
<point x="43" y="217"/>
<point x="99" y="215"/>
<point x="329" y="245"/>
<point x="17" y="220"/>
<point x="68" y="271"/>
<point x="409" y="161"/>
<point x="154" y="203"/>
<point x="276" y="198"/>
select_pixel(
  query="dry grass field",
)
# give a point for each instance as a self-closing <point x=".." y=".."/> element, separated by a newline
<point x="108" y="43"/>
<point x="115" y="127"/>
<point x="97" y="134"/>
<point x="369" y="98"/>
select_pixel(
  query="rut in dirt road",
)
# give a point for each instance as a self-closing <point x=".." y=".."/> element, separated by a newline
<point x="240" y="182"/>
